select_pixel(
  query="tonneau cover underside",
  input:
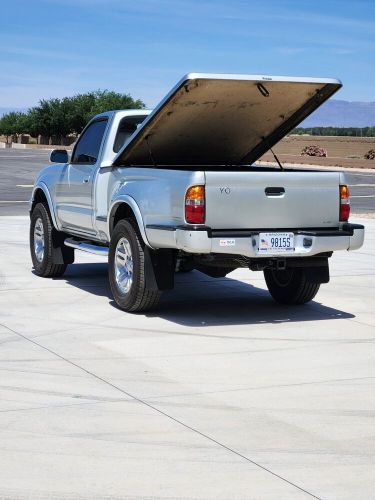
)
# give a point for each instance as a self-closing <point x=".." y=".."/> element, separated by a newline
<point x="223" y="119"/>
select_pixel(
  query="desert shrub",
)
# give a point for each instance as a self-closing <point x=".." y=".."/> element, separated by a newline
<point x="370" y="155"/>
<point x="314" y="151"/>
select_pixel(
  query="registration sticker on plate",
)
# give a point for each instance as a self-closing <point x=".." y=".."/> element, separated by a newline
<point x="276" y="243"/>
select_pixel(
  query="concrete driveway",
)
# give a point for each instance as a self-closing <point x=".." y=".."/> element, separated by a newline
<point x="220" y="394"/>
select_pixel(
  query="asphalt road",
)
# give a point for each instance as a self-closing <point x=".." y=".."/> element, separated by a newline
<point x="18" y="169"/>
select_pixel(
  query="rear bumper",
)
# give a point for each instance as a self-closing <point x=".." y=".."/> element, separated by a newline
<point x="202" y="239"/>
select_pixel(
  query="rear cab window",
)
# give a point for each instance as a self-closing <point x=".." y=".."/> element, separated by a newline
<point x="127" y="126"/>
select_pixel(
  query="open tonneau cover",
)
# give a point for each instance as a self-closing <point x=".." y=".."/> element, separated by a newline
<point x="213" y="119"/>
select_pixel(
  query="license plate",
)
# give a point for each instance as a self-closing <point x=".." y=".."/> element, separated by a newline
<point x="276" y="243"/>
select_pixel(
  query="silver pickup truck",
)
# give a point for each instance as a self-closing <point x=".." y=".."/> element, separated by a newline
<point x="176" y="189"/>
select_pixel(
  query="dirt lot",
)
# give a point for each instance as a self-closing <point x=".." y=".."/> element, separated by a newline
<point x="342" y="151"/>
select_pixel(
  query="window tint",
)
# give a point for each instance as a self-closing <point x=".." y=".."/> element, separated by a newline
<point x="88" y="145"/>
<point x="126" y="128"/>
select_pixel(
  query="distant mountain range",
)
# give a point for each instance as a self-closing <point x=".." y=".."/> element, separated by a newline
<point x="333" y="113"/>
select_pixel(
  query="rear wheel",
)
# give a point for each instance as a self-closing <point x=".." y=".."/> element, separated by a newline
<point x="127" y="269"/>
<point x="41" y="243"/>
<point x="290" y="286"/>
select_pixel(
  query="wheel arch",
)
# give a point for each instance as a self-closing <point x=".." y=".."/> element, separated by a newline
<point x="126" y="208"/>
<point x="41" y="194"/>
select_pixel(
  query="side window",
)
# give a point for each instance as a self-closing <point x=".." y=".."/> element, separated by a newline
<point x="88" y="145"/>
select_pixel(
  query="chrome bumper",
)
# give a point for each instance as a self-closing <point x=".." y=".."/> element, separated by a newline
<point x="201" y="239"/>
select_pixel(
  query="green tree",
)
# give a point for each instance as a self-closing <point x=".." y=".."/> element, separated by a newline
<point x="56" y="118"/>
<point x="14" y="124"/>
<point x="86" y="106"/>
<point x="336" y="131"/>
<point x="50" y="118"/>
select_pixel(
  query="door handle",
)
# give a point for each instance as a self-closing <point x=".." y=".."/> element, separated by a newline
<point x="274" y="191"/>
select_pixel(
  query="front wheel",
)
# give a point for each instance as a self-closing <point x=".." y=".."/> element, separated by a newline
<point x="41" y="244"/>
<point x="127" y="269"/>
<point x="290" y="286"/>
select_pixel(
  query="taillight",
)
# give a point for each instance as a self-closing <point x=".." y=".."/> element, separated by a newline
<point x="344" y="203"/>
<point x="195" y="205"/>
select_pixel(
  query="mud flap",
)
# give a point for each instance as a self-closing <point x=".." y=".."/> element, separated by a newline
<point x="159" y="269"/>
<point x="61" y="254"/>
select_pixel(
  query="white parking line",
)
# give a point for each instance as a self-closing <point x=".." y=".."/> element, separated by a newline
<point x="363" y="196"/>
<point x="11" y="201"/>
<point x="25" y="185"/>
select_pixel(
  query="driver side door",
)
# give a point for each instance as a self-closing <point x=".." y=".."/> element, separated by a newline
<point x="74" y="191"/>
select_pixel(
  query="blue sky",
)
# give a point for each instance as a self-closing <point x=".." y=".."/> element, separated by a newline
<point x="54" y="48"/>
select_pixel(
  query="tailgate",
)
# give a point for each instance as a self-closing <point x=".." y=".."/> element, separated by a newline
<point x="272" y="200"/>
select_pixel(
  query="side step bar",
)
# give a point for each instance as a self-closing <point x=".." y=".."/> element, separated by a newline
<point x="86" y="247"/>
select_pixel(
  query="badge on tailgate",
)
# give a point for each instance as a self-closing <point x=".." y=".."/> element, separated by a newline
<point x="271" y="243"/>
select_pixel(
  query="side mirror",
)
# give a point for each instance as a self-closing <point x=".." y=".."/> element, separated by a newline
<point x="59" y="156"/>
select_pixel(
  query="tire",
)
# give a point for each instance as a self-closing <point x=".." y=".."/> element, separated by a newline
<point x="290" y="286"/>
<point x="126" y="269"/>
<point x="41" y="244"/>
